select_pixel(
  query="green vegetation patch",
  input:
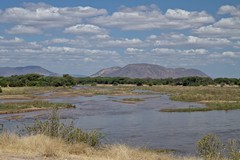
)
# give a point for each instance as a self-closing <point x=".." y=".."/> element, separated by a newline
<point x="133" y="99"/>
<point x="210" y="107"/>
<point x="15" y="107"/>
<point x="129" y="100"/>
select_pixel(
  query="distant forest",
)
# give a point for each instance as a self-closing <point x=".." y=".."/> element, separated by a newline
<point x="67" y="80"/>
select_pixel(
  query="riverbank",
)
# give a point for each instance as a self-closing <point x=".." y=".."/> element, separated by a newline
<point x="38" y="147"/>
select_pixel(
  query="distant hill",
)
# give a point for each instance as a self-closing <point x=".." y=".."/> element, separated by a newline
<point x="144" y="70"/>
<point x="9" y="71"/>
<point x="106" y="72"/>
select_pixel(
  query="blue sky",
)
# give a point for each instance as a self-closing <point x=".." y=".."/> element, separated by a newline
<point x="82" y="37"/>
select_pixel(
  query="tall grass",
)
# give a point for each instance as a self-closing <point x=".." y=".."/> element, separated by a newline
<point x="210" y="147"/>
<point x="67" y="132"/>
<point x="41" y="146"/>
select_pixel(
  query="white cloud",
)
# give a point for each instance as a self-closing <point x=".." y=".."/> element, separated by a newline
<point x="207" y="41"/>
<point x="174" y="39"/>
<point x="228" y="9"/>
<point x="46" y="16"/>
<point x="134" y="51"/>
<point x="168" y="51"/>
<point x="87" y="59"/>
<point x="21" y="29"/>
<point x="230" y="54"/>
<point x="150" y="17"/>
<point x="194" y="52"/>
<point x="60" y="40"/>
<point x="85" y="29"/>
<point x="135" y="42"/>
<point x="227" y="27"/>
<point x="163" y="51"/>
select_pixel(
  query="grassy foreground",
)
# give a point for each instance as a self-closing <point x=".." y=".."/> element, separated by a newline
<point x="43" y="147"/>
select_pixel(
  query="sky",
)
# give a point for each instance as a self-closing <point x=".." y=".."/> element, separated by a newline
<point x="80" y="37"/>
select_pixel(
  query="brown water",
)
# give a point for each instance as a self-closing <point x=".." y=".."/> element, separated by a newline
<point x="141" y="124"/>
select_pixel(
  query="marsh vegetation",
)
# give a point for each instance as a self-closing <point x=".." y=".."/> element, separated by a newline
<point x="18" y="107"/>
<point x="78" y="143"/>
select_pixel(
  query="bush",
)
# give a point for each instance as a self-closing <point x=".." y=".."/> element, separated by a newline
<point x="210" y="147"/>
<point x="54" y="128"/>
<point x="94" y="84"/>
<point x="1" y="90"/>
<point x="115" y="84"/>
<point x="233" y="149"/>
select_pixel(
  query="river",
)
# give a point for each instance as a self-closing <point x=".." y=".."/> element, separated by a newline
<point x="141" y="124"/>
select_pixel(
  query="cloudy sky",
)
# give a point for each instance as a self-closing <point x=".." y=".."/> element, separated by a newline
<point x="81" y="36"/>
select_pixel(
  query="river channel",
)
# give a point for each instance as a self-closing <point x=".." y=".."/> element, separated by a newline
<point x="140" y="124"/>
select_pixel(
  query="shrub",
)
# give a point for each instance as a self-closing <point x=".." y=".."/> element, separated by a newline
<point x="210" y="147"/>
<point x="115" y="84"/>
<point x="233" y="149"/>
<point x="54" y="128"/>
<point x="94" y="84"/>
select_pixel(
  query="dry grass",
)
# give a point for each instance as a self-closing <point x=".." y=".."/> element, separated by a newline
<point x="42" y="147"/>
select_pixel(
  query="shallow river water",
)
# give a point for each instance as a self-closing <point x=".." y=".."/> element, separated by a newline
<point x="141" y="124"/>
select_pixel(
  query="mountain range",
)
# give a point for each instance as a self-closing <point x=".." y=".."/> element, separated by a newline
<point x="144" y="70"/>
<point x="9" y="71"/>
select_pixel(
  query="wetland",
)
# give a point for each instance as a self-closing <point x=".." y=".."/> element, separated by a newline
<point x="132" y="114"/>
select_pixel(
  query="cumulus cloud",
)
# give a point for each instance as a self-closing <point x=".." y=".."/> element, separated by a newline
<point x="46" y="16"/>
<point x="126" y="42"/>
<point x="87" y="59"/>
<point x="189" y="37"/>
<point x="168" y="51"/>
<point x="163" y="51"/>
<point x="194" y="52"/>
<point x="133" y="51"/>
<point x="17" y="43"/>
<point x="228" y="9"/>
<point x="175" y="39"/>
<point x="230" y="54"/>
<point x="85" y="29"/>
<point x="150" y="17"/>
<point x="226" y="27"/>
<point x="21" y="29"/>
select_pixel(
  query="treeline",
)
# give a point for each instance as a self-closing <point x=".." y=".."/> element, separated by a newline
<point x="37" y="80"/>
<point x="67" y="80"/>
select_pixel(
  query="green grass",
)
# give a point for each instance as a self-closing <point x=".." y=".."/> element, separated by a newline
<point x="133" y="99"/>
<point x="214" y="97"/>
<point x="129" y="100"/>
<point x="13" y="107"/>
<point x="210" y="107"/>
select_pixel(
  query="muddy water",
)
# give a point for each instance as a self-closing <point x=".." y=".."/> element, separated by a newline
<point x="141" y="124"/>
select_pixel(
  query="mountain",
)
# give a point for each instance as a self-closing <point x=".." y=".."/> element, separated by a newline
<point x="9" y="71"/>
<point x="144" y="70"/>
<point x="105" y="72"/>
